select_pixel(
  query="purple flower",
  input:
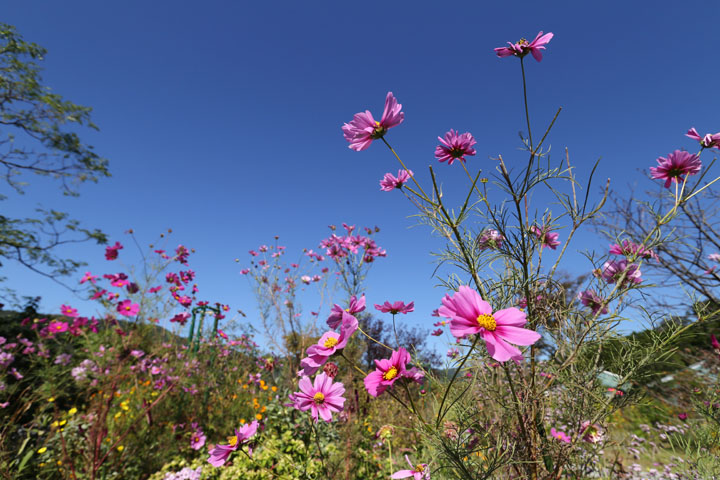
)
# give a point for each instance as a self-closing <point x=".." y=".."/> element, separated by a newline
<point x="63" y="359"/>
<point x="708" y="141"/>
<point x="220" y="453"/>
<point x="363" y="128"/>
<point x="455" y="146"/>
<point x="336" y="313"/>
<point x="197" y="441"/>
<point x="522" y="47"/>
<point x="328" y="344"/>
<point x="395" y="308"/>
<point x="390" y="183"/>
<point x="548" y="238"/>
<point x="630" y="248"/>
<point x="675" y="166"/>
<point x="613" y="270"/>
<point x="591" y="299"/>
<point x="490" y="240"/>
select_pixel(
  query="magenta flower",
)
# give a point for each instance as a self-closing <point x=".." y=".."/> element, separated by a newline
<point x="68" y="311"/>
<point x="180" y="318"/>
<point x="127" y="308"/>
<point x="88" y="277"/>
<point x="363" y="128"/>
<point x="562" y="436"/>
<point x="522" y="47"/>
<point x="469" y="314"/>
<point x="630" y="248"/>
<point x="417" y="472"/>
<point x="220" y="453"/>
<point x="390" y="183"/>
<point x="197" y="441"/>
<point x="58" y="327"/>
<point x="591" y="299"/>
<point x="388" y="371"/>
<point x="455" y="146"/>
<point x="591" y="433"/>
<point x="677" y="164"/>
<point x="490" y="240"/>
<point x="111" y="253"/>
<point x="322" y="398"/>
<point x="548" y="238"/>
<point x="329" y="343"/>
<point x="682" y="416"/>
<point x="395" y="308"/>
<point x="613" y="270"/>
<point x="336" y="313"/>
<point x="708" y="141"/>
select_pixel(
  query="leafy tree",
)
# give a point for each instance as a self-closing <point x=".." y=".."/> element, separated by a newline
<point x="37" y="136"/>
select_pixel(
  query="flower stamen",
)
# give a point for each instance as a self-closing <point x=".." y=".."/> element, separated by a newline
<point x="390" y="374"/>
<point x="318" y="398"/>
<point x="487" y="322"/>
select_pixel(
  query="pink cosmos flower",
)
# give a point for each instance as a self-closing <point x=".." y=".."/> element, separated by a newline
<point x="328" y="344"/>
<point x="58" y="327"/>
<point x="522" y="47"/>
<point x="675" y="166"/>
<point x="390" y="183"/>
<point x="708" y="141"/>
<point x="68" y="311"/>
<point x="591" y="299"/>
<point x="322" y="398"/>
<point x="388" y="371"/>
<point x="336" y="313"/>
<point x="630" y="248"/>
<point x="127" y="308"/>
<point x="155" y="289"/>
<point x="197" y="441"/>
<point x="455" y="146"/>
<point x="682" y="416"/>
<point x="490" y="240"/>
<point x="417" y="472"/>
<point x="363" y="128"/>
<point x="395" y="308"/>
<point x="180" y="318"/>
<point x="548" y="238"/>
<point x="613" y="270"/>
<point x="562" y="436"/>
<point x="591" y="433"/>
<point x="220" y="453"/>
<point x="469" y="314"/>
<point x="88" y="277"/>
<point x="715" y="344"/>
<point x="111" y="253"/>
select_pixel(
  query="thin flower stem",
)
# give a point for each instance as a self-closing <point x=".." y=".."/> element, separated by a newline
<point x="371" y="338"/>
<point x="528" y="441"/>
<point x="471" y="179"/>
<point x="441" y="415"/>
<point x="424" y="195"/>
<point x="527" y="111"/>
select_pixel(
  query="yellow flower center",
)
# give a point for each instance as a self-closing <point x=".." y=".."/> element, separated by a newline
<point x="522" y="41"/>
<point x="419" y="468"/>
<point x="487" y="322"/>
<point x="319" y="398"/>
<point x="390" y="374"/>
<point x="330" y="342"/>
<point x="232" y="441"/>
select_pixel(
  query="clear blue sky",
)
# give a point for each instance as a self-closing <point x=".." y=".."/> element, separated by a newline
<point x="222" y="119"/>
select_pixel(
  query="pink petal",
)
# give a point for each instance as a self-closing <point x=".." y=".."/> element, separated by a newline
<point x="498" y="348"/>
<point x="516" y="335"/>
